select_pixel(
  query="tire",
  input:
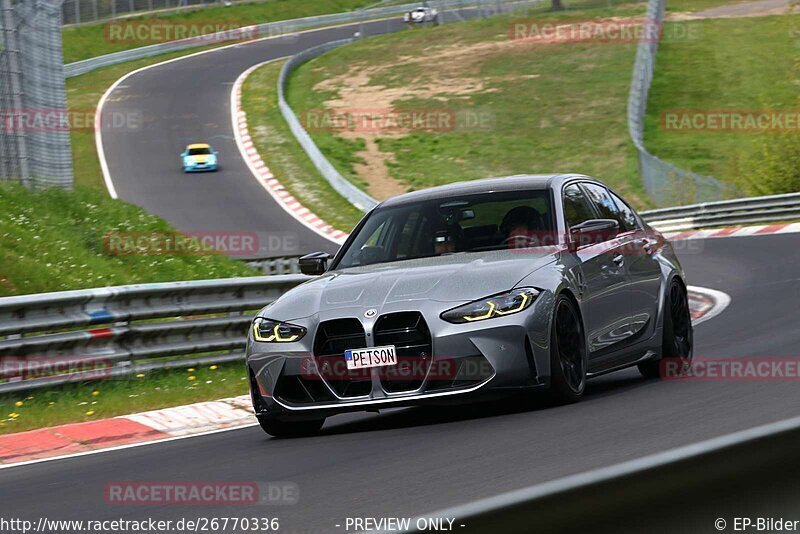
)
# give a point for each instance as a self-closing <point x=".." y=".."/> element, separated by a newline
<point x="567" y="353"/>
<point x="286" y="429"/>
<point x="678" y="334"/>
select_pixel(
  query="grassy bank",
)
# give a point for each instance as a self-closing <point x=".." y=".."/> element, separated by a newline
<point x="54" y="241"/>
<point x="517" y="107"/>
<point x="109" y="398"/>
<point x="748" y="64"/>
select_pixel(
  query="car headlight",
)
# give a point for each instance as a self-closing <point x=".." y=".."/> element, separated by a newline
<point x="268" y="331"/>
<point x="189" y="162"/>
<point x="513" y="301"/>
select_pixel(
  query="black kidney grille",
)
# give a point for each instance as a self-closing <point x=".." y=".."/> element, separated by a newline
<point x="332" y="339"/>
<point x="410" y="335"/>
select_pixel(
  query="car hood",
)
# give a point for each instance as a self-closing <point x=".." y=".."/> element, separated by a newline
<point x="453" y="278"/>
<point x="201" y="158"/>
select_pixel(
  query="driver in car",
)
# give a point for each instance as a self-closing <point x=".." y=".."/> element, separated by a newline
<point x="523" y="227"/>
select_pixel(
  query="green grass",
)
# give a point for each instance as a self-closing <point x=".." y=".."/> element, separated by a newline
<point x="90" y="401"/>
<point x="90" y="40"/>
<point x="54" y="241"/>
<point x="284" y="156"/>
<point x="740" y="64"/>
<point x="552" y="108"/>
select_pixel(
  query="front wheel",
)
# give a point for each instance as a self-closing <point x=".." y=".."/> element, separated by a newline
<point x="284" y="429"/>
<point x="567" y="353"/>
<point x="677" y="344"/>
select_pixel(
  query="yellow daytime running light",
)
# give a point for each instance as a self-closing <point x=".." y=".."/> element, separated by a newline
<point x="508" y="303"/>
<point x="267" y="331"/>
<point x="484" y="316"/>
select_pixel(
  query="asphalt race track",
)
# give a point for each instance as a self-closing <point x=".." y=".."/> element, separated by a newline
<point x="408" y="462"/>
<point x="187" y="101"/>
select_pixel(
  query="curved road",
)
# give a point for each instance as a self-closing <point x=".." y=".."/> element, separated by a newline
<point x="408" y="462"/>
<point x="187" y="101"/>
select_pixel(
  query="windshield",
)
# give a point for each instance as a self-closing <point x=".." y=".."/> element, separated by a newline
<point x="198" y="151"/>
<point x="453" y="225"/>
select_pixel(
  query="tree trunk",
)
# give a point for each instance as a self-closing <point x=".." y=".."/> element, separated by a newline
<point x="557" y="5"/>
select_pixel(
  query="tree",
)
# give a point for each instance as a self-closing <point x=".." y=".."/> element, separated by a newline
<point x="557" y="5"/>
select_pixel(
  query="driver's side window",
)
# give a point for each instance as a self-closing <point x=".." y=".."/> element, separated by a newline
<point x="576" y="207"/>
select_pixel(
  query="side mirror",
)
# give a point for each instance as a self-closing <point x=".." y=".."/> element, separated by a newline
<point x="315" y="263"/>
<point x="592" y="232"/>
<point x="184" y="154"/>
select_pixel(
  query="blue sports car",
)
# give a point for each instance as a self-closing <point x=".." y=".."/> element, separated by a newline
<point x="198" y="158"/>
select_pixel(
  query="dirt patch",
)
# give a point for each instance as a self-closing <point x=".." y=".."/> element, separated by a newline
<point x="456" y="76"/>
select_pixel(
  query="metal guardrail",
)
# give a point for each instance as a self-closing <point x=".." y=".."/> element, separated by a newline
<point x="726" y="213"/>
<point x="100" y="333"/>
<point x="269" y="29"/>
<point x="273" y="266"/>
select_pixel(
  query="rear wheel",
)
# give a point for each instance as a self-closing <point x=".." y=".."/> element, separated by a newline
<point x="285" y="429"/>
<point x="678" y="338"/>
<point x="567" y="353"/>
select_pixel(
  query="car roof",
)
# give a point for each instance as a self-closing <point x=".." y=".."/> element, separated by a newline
<point x="199" y="145"/>
<point x="506" y="183"/>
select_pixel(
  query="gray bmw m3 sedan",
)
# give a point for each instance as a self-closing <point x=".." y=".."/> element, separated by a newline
<point x="483" y="287"/>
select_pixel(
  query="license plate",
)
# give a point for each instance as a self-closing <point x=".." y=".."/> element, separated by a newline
<point x="371" y="357"/>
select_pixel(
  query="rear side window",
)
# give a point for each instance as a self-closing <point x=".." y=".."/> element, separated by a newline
<point x="576" y="207"/>
<point x="605" y="205"/>
<point x="627" y="217"/>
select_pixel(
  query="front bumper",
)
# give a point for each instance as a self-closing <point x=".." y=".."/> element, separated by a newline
<point x="200" y="168"/>
<point x="499" y="354"/>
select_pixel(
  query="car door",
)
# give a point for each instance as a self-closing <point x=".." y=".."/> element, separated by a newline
<point x="643" y="269"/>
<point x="605" y="280"/>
